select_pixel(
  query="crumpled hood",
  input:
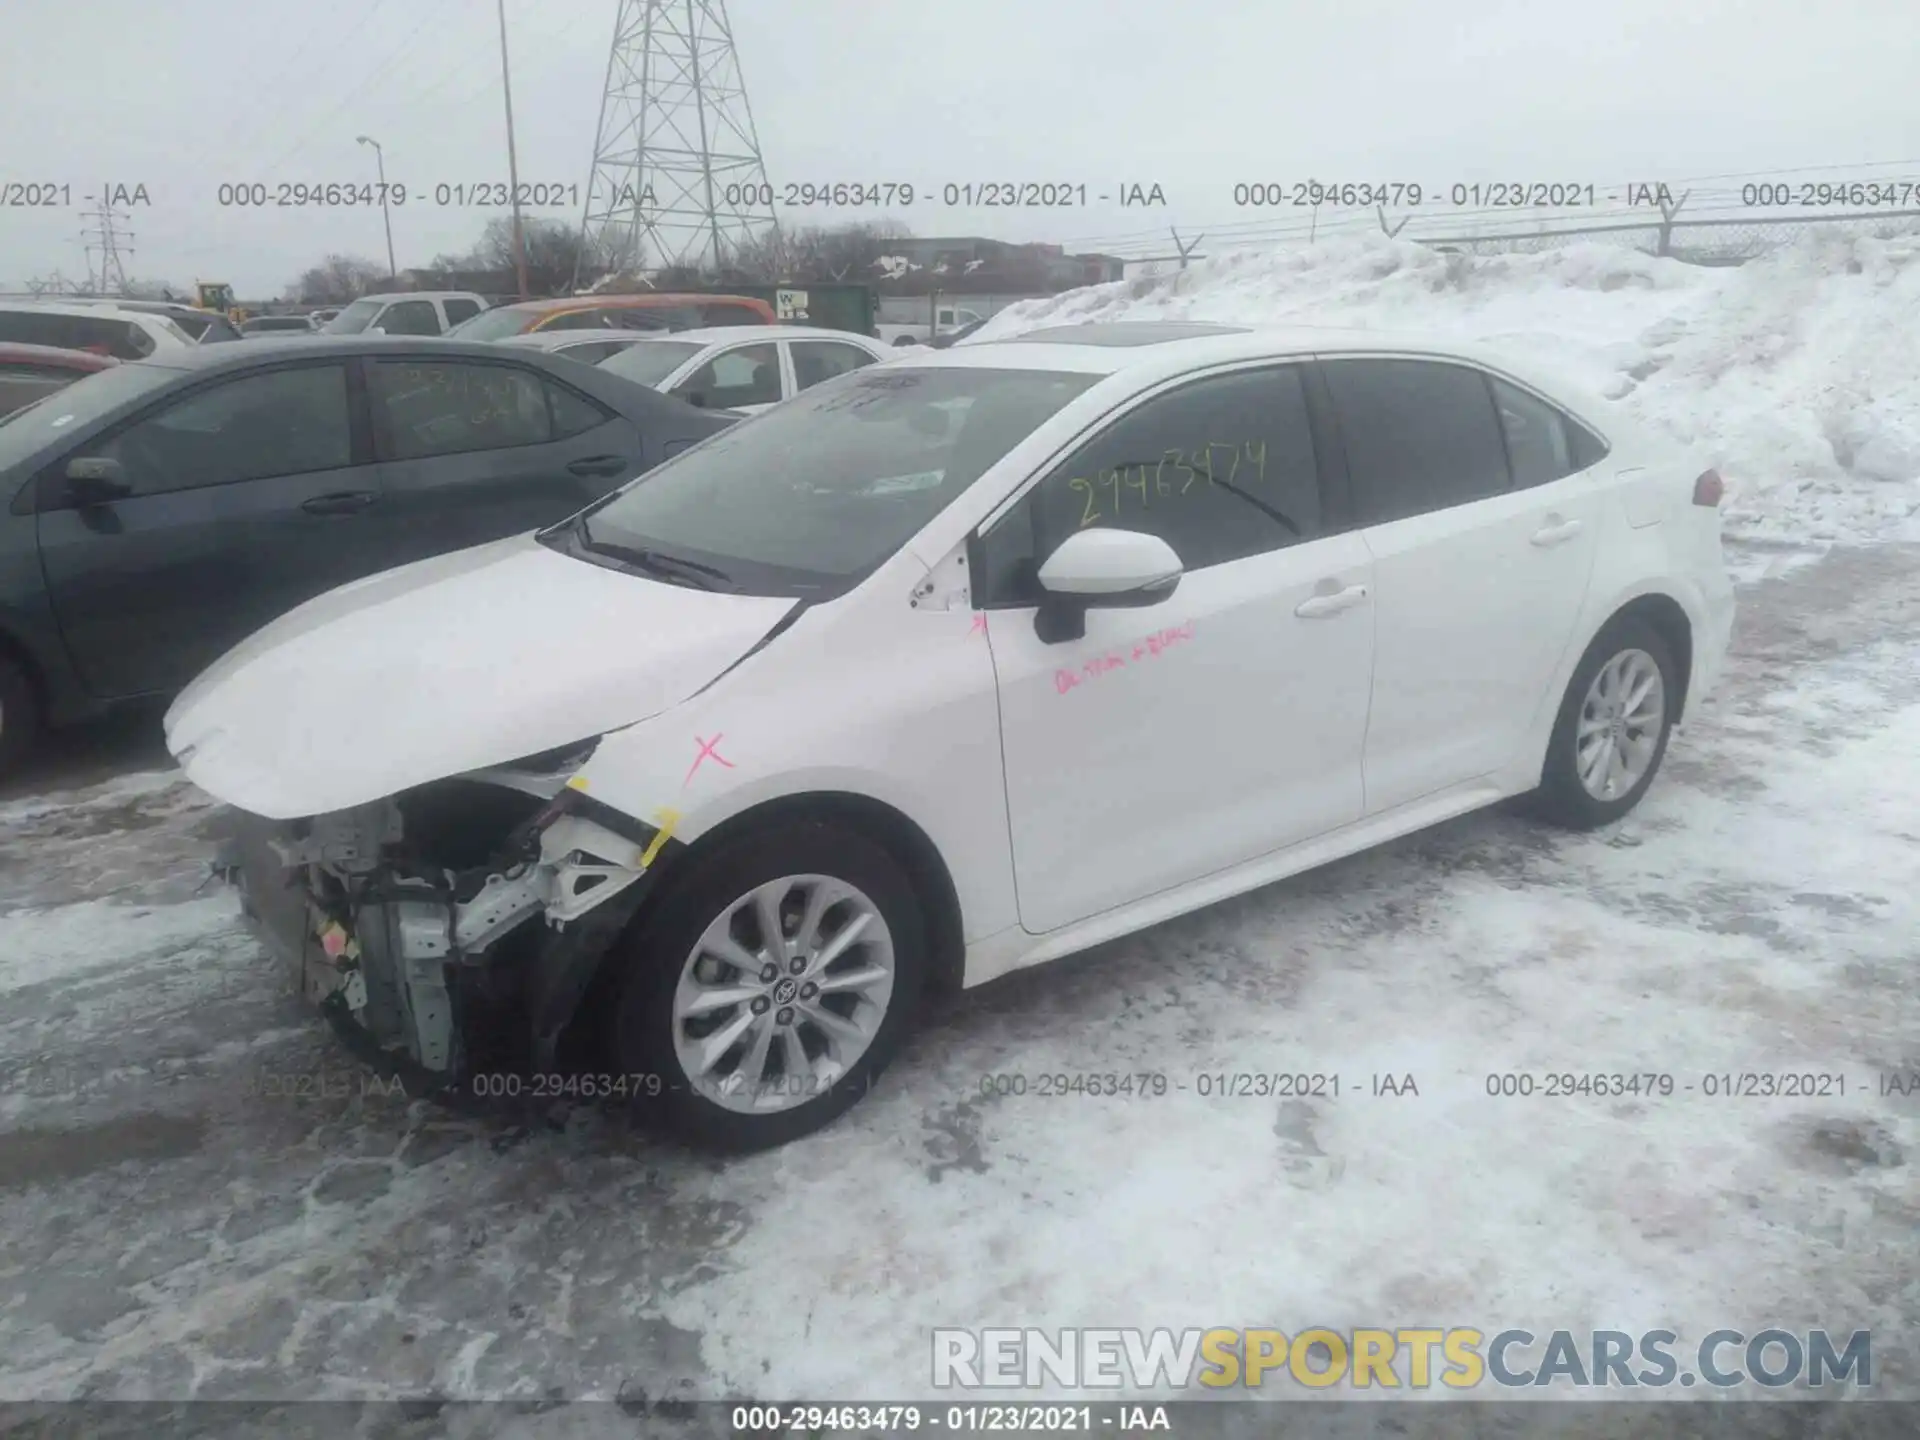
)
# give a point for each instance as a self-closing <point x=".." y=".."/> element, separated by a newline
<point x="447" y="665"/>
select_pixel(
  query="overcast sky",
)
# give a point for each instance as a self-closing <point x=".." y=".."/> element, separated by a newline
<point x="1192" y="95"/>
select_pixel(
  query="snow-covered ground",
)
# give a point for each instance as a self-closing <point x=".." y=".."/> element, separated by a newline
<point x="168" y="1230"/>
<point x="1796" y="374"/>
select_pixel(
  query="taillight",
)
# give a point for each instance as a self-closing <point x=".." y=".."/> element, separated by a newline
<point x="1709" y="488"/>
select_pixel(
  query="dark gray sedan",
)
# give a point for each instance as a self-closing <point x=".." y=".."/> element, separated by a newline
<point x="161" y="511"/>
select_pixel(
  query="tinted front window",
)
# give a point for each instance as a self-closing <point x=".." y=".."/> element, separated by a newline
<point x="355" y="318"/>
<point x="280" y="422"/>
<point x="818" y="492"/>
<point x="448" y="409"/>
<point x="648" y="362"/>
<point x="1220" y="469"/>
<point x="1419" y="435"/>
<point x="747" y="375"/>
<point x="817" y="360"/>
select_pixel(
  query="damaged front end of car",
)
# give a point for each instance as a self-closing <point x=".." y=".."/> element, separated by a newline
<point x="453" y="928"/>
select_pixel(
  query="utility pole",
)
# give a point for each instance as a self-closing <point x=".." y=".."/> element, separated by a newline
<point x="677" y="175"/>
<point x="386" y="214"/>
<point x="513" y="164"/>
<point x="102" y="236"/>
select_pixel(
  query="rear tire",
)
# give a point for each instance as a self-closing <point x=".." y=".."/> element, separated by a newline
<point x="1606" y="748"/>
<point x="20" y="718"/>
<point x="702" y="976"/>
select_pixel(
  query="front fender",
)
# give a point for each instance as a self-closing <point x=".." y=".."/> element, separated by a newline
<point x="894" y="705"/>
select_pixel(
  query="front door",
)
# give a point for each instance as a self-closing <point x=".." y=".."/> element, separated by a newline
<point x="1226" y="722"/>
<point x="241" y="499"/>
<point x="476" y="450"/>
<point x="1482" y="544"/>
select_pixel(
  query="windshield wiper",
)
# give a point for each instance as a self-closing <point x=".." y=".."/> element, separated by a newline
<point x="1253" y="500"/>
<point x="656" y="563"/>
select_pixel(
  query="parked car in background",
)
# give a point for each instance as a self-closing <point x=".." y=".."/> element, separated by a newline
<point x="651" y="311"/>
<point x="589" y="347"/>
<point x="205" y="327"/>
<point x="743" y="367"/>
<point x="324" y="314"/>
<point x="950" y="668"/>
<point x="954" y="337"/>
<point x="33" y="372"/>
<point x="102" y="329"/>
<point x="158" y="512"/>
<point x="424" y="312"/>
<point x="946" y="320"/>
<point x="258" y="325"/>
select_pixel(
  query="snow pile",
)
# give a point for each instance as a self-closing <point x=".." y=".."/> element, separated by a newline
<point x="1798" y="374"/>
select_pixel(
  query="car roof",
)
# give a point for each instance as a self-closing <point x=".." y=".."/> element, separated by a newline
<point x="91" y="309"/>
<point x="56" y="355"/>
<point x="721" y="334"/>
<point x="1110" y="347"/>
<point x="205" y="358"/>
<point x="645" y="300"/>
<point x="425" y="295"/>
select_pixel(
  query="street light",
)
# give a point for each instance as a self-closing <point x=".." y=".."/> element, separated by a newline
<point x="385" y="214"/>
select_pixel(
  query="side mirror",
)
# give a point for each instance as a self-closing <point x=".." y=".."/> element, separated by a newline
<point x="1102" y="570"/>
<point x="379" y="328"/>
<point x="96" y="480"/>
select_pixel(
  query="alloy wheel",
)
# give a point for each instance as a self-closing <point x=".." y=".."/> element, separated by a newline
<point x="783" y="993"/>
<point x="1621" y="720"/>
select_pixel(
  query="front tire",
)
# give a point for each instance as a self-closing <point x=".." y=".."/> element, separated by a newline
<point x="772" y="986"/>
<point x="1612" y="730"/>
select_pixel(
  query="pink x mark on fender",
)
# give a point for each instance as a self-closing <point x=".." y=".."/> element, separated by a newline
<point x="979" y="625"/>
<point x="706" y="750"/>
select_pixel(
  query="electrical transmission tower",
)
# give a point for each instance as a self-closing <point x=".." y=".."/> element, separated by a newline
<point x="103" y="239"/>
<point x="677" y="174"/>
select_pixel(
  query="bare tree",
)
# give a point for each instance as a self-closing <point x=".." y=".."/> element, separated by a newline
<point x="819" y="252"/>
<point x="336" y="280"/>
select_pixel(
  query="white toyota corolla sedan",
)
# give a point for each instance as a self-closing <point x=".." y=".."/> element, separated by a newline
<point x="949" y="666"/>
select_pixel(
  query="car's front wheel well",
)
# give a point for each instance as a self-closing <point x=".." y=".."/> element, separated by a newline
<point x="1670" y="622"/>
<point x="886" y="826"/>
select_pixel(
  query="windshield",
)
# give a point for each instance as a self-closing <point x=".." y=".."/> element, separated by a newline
<point x="47" y="420"/>
<point x="811" y="496"/>
<point x="491" y="324"/>
<point x="648" y="362"/>
<point x="355" y="318"/>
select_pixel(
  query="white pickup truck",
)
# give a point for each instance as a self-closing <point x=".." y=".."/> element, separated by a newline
<point x="947" y="319"/>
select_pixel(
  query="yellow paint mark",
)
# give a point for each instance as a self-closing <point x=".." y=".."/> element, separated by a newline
<point x="666" y="819"/>
<point x="578" y="782"/>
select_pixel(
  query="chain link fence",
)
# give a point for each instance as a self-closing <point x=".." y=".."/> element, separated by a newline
<point x="1697" y="242"/>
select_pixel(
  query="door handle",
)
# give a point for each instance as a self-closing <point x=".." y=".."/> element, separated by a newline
<point x="599" y="465"/>
<point x="343" y="502"/>
<point x="1315" y="606"/>
<point x="1557" y="530"/>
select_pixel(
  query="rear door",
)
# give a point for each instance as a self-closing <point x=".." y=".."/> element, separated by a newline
<point x="242" y="498"/>
<point x="474" y="450"/>
<point x="1483" y="542"/>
